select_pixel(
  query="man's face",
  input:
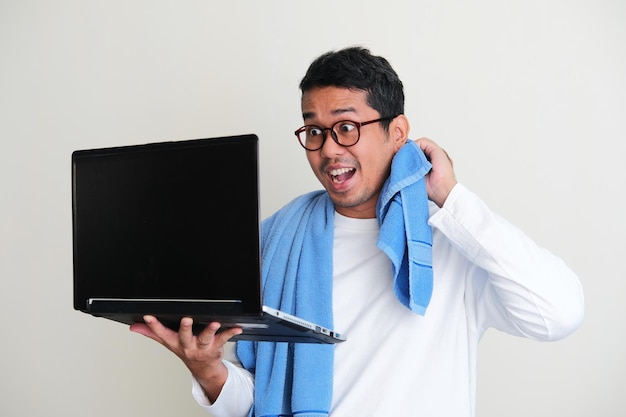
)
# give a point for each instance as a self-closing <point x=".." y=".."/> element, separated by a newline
<point x="353" y="176"/>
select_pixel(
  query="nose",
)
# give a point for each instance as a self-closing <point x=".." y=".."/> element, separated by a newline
<point x="330" y="148"/>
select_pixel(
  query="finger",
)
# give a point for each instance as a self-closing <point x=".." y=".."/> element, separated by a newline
<point x="185" y="331"/>
<point x="426" y="145"/>
<point x="160" y="333"/>
<point x="143" y="329"/>
<point x="423" y="142"/>
<point x="207" y="336"/>
<point x="215" y="336"/>
<point x="227" y="334"/>
<point x="433" y="151"/>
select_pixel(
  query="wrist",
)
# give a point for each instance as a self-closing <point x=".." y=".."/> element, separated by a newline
<point x="442" y="193"/>
<point x="212" y="380"/>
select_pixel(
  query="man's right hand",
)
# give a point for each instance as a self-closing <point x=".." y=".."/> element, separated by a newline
<point x="202" y="354"/>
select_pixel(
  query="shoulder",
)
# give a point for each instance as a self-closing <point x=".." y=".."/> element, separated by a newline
<point x="298" y="206"/>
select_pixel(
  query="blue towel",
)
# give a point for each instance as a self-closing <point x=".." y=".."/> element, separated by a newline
<point x="296" y="246"/>
<point x="405" y="235"/>
<point x="295" y="379"/>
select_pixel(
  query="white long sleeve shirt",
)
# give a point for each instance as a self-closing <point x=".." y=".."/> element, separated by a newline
<point x="487" y="273"/>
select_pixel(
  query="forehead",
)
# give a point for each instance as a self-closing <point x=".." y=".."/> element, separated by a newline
<point x="333" y="101"/>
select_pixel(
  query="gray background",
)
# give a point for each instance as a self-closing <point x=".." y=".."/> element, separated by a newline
<point x="528" y="98"/>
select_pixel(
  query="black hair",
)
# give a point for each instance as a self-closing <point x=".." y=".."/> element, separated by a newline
<point x="357" y="69"/>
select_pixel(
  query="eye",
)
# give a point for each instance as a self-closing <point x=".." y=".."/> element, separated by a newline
<point x="314" y="131"/>
<point x="346" y="127"/>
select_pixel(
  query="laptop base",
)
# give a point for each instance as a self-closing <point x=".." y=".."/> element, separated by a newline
<point x="269" y="325"/>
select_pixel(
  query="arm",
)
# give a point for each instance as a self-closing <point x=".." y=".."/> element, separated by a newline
<point x="512" y="284"/>
<point x="237" y="393"/>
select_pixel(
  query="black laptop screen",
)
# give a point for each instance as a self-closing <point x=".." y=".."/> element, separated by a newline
<point x="168" y="221"/>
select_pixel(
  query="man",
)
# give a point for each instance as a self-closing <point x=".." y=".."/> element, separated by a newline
<point x="397" y="361"/>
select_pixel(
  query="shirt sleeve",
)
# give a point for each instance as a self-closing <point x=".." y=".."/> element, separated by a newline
<point x="512" y="284"/>
<point x="236" y="397"/>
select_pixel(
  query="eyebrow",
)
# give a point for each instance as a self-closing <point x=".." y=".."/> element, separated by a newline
<point x="311" y="115"/>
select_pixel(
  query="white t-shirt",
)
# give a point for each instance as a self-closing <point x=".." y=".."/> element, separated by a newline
<point x="486" y="274"/>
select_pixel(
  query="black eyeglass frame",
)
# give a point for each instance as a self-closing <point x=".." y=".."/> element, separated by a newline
<point x="333" y="134"/>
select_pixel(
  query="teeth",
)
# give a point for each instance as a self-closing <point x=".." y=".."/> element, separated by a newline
<point x="336" y="172"/>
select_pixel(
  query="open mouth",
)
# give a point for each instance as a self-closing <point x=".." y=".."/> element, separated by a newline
<point x="341" y="175"/>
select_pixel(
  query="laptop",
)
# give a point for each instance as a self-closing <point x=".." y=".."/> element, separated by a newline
<point x="171" y="229"/>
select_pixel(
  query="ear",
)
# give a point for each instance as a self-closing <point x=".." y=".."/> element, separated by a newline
<point x="399" y="131"/>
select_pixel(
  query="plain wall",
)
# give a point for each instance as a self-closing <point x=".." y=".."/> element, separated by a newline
<point x="528" y="97"/>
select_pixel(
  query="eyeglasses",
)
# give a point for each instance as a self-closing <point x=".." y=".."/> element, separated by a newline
<point x="344" y="132"/>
